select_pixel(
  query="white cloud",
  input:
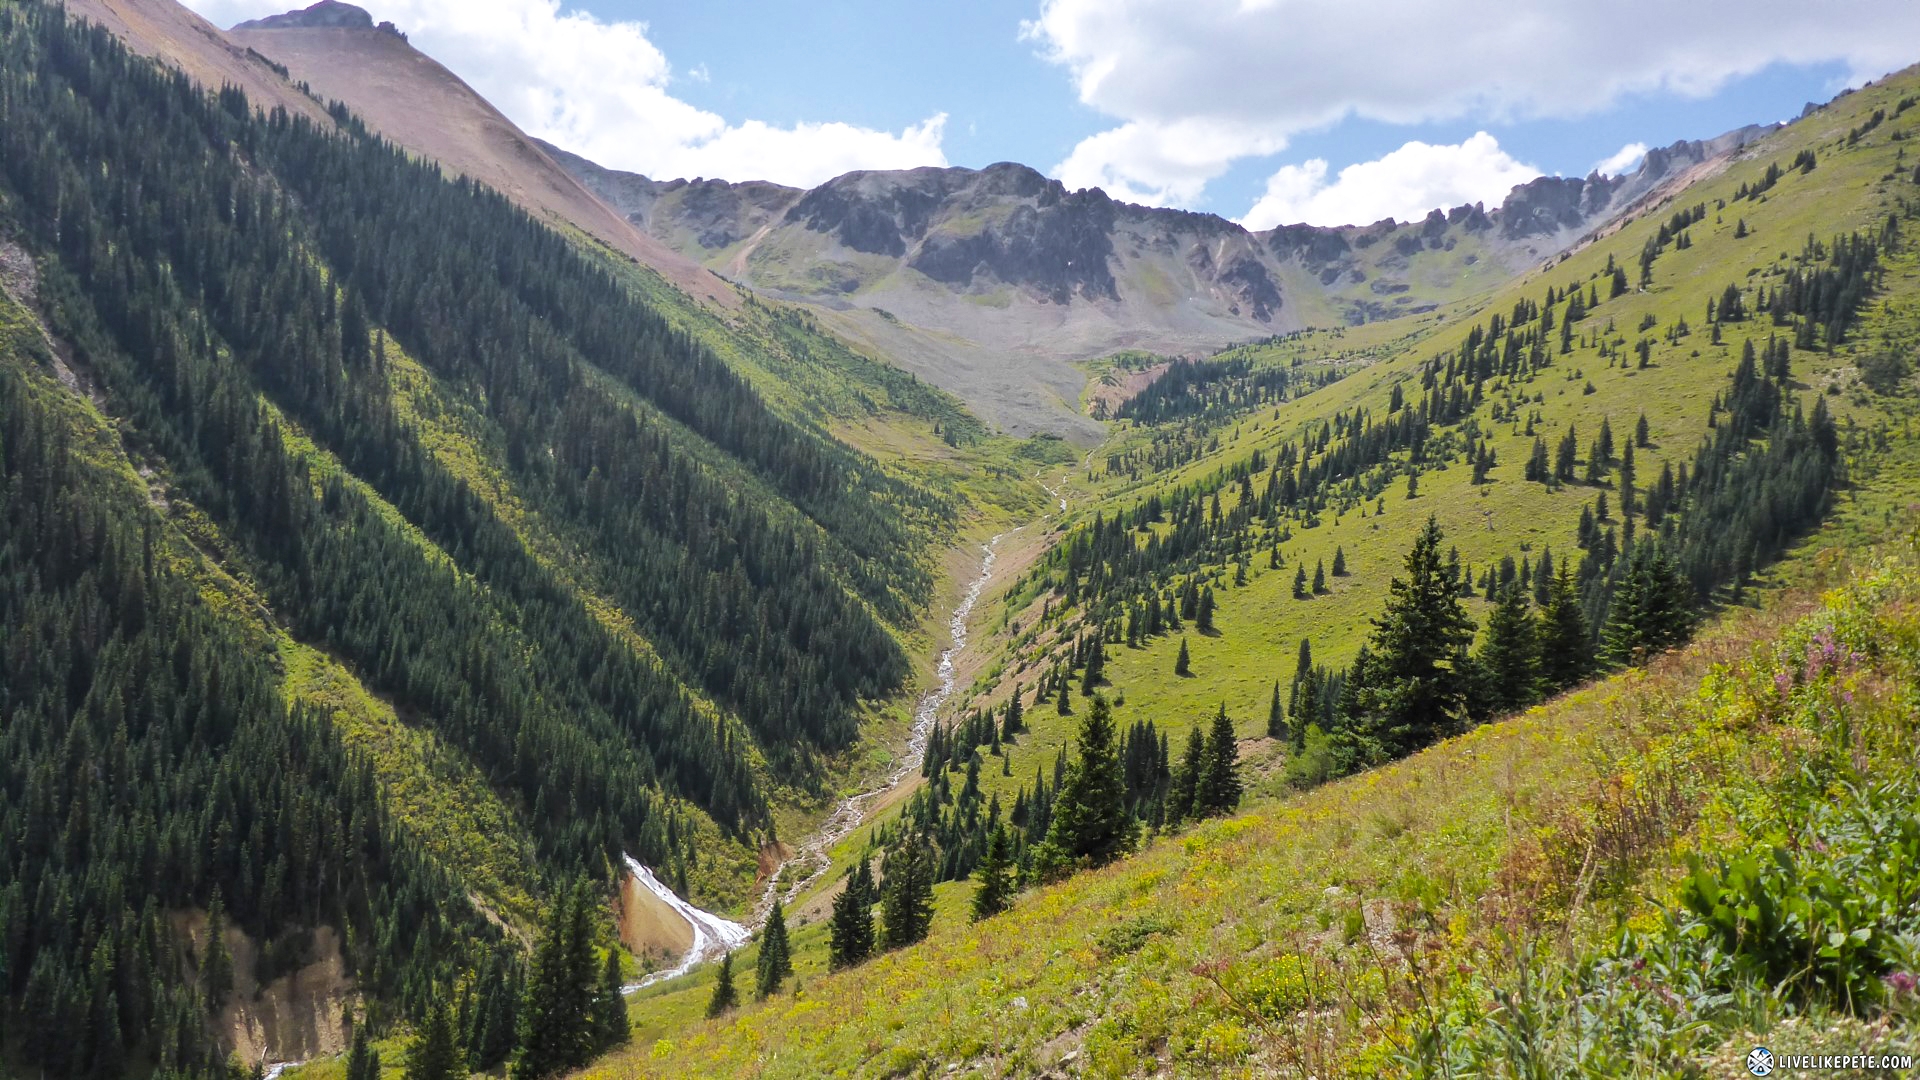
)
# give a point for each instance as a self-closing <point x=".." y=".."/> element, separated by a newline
<point x="1622" y="160"/>
<point x="1404" y="184"/>
<point x="1270" y="69"/>
<point x="603" y="90"/>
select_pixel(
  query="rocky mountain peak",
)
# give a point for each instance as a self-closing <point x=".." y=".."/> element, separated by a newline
<point x="325" y="15"/>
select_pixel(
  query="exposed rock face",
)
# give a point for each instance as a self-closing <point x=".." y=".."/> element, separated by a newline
<point x="329" y="14"/>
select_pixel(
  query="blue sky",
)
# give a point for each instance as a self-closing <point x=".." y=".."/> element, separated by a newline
<point x="1247" y="108"/>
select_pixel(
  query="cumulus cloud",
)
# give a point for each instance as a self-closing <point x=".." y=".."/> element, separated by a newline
<point x="1270" y="69"/>
<point x="1404" y="184"/>
<point x="604" y="90"/>
<point x="1622" y="160"/>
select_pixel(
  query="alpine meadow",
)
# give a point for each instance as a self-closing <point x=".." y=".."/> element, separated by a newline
<point x="472" y="607"/>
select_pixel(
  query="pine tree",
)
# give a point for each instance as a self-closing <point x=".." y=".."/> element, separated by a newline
<point x="1012" y="726"/>
<point x="725" y="997"/>
<point x="1413" y="689"/>
<point x="216" y="965"/>
<point x="611" y="1026"/>
<point x="1217" y="789"/>
<point x="1339" y="562"/>
<point x="1300" y="583"/>
<point x="1186" y="776"/>
<point x="1650" y="611"/>
<point x="556" y="1021"/>
<point x="775" y="964"/>
<point x="1276" y="716"/>
<point x="1090" y="819"/>
<point x="906" y="894"/>
<point x="1565" y="647"/>
<point x="1203" y="615"/>
<point x="434" y="1055"/>
<point x="363" y="1061"/>
<point x="851" y="930"/>
<point x="994" y="894"/>
<point x="1183" y="664"/>
<point x="1319" y="578"/>
<point x="1509" y="658"/>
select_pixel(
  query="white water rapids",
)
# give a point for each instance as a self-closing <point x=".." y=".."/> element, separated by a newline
<point x="711" y="933"/>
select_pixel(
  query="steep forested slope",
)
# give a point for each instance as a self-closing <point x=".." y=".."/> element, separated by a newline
<point x="338" y="428"/>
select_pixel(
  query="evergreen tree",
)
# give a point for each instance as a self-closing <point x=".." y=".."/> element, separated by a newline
<point x="1217" y="789"/>
<point x="216" y="963"/>
<point x="1413" y="689"/>
<point x="1340" y="562"/>
<point x="611" y="1026"/>
<point x="725" y="997"/>
<point x="556" y="1032"/>
<point x="1509" y="658"/>
<point x="434" y="1055"/>
<point x="1090" y="820"/>
<point x="363" y="1061"/>
<point x="994" y="894"/>
<point x="906" y="894"/>
<point x="1203" y="614"/>
<point x="1319" y="577"/>
<point x="775" y="964"/>
<point x="1183" y="664"/>
<point x="1651" y="610"/>
<point x="1276" y="716"/>
<point x="1566" y="648"/>
<point x="1300" y="583"/>
<point x="1186" y="776"/>
<point x="851" y="929"/>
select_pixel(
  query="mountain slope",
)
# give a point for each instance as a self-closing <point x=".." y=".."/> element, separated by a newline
<point x="991" y="282"/>
<point x="540" y="578"/>
<point x="1331" y="450"/>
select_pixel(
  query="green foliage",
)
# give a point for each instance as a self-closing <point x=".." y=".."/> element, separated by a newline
<point x="433" y="1055"/>
<point x="725" y="997"/>
<point x="1414" y="687"/>
<point x="1217" y="788"/>
<point x="852" y="925"/>
<point x="994" y="894"/>
<point x="775" y="963"/>
<point x="363" y="1061"/>
<point x="906" y="894"/>
<point x="557" y="1031"/>
<point x="1091" y="825"/>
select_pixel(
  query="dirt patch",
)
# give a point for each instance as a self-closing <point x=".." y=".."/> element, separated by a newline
<point x="650" y="929"/>
<point x="1105" y="399"/>
<point x="299" y="1016"/>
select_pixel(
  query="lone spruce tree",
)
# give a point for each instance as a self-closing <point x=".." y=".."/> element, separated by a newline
<point x="994" y="894"/>
<point x="1217" y="789"/>
<point x="906" y="894"/>
<point x="1186" y="777"/>
<point x="1090" y="819"/>
<point x="1183" y="664"/>
<point x="1413" y="688"/>
<point x="1566" y="650"/>
<point x="851" y="929"/>
<point x="775" y="965"/>
<point x="725" y="997"/>
<point x="1510" y="656"/>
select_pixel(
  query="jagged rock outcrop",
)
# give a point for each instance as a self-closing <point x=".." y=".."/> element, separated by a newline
<point x="329" y="14"/>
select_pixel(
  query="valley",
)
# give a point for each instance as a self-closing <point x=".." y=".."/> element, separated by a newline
<point x="461" y="600"/>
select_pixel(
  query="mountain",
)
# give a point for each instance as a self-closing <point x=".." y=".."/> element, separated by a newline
<point x="992" y="282"/>
<point x="1377" y="565"/>
<point x="386" y="557"/>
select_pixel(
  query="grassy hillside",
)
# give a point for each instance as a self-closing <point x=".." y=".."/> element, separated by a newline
<point x="1119" y="967"/>
<point x="1421" y="913"/>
